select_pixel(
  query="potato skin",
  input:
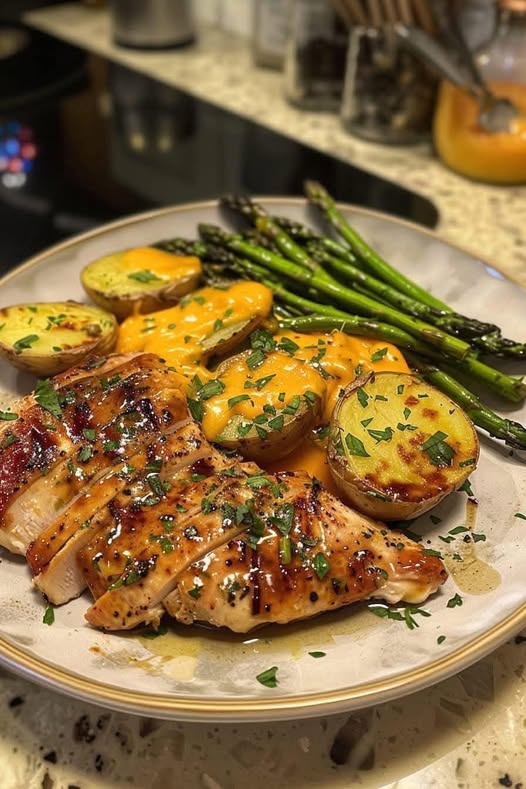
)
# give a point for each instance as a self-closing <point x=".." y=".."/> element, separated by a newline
<point x="224" y="341"/>
<point x="396" y="479"/>
<point x="47" y="338"/>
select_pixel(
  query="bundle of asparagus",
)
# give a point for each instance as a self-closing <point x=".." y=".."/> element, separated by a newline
<point x="321" y="284"/>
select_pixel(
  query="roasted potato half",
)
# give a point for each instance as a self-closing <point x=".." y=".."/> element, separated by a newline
<point x="263" y="409"/>
<point x="142" y="280"/>
<point x="46" y="338"/>
<point x="397" y="446"/>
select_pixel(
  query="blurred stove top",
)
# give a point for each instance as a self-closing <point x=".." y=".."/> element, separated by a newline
<point x="96" y="141"/>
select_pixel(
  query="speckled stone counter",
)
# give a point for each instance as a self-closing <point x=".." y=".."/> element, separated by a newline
<point x="490" y="221"/>
<point x="467" y="732"/>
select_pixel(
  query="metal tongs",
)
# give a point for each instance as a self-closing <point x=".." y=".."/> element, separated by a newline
<point x="496" y="114"/>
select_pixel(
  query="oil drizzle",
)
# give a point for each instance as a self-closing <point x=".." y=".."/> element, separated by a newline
<point x="472" y="575"/>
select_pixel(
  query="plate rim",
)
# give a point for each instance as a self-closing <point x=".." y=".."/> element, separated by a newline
<point x="264" y="707"/>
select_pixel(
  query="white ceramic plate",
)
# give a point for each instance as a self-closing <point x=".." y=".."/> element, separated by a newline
<point x="195" y="674"/>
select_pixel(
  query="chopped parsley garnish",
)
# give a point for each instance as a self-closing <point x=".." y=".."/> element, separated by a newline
<point x="466" y="488"/>
<point x="366" y="422"/>
<point x="407" y="413"/>
<point x="268" y="677"/>
<point x="89" y="434"/>
<point x="381" y="435"/>
<point x="283" y="518"/>
<point x="46" y="397"/>
<point x="84" y="454"/>
<point x="261" y="340"/>
<point x="355" y="446"/>
<point x="363" y="397"/>
<point x="321" y="565"/>
<point x="285" y="550"/>
<point x="468" y="462"/>
<point x="288" y="346"/>
<point x="25" y="342"/>
<point x="317" y="654"/>
<point x="438" y="451"/>
<point x="431" y="552"/>
<point x="378" y="355"/>
<point x="455" y="601"/>
<point x="49" y="615"/>
<point x="458" y="530"/>
<point x="401" y="614"/>
<point x="232" y="401"/>
<point x="441" y="639"/>
<point x="144" y="276"/>
<point x="520" y="515"/>
<point x="210" y="389"/>
<point x="196" y="409"/>
<point x="218" y="324"/>
<point x="400" y="389"/>
<point x="255" y="359"/>
<point x="435" y="519"/>
<point x="110" y="445"/>
<point x="8" y="416"/>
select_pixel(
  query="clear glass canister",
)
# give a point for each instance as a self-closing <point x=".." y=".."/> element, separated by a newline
<point x="389" y="94"/>
<point x="492" y="157"/>
<point x="315" y="57"/>
<point x="269" y="33"/>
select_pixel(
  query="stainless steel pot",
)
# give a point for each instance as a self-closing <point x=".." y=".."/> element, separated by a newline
<point x="152" y="24"/>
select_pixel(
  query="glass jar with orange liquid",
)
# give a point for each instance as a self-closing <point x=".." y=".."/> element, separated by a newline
<point x="498" y="158"/>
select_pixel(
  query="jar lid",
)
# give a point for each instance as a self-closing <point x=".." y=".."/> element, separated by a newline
<point x="513" y="5"/>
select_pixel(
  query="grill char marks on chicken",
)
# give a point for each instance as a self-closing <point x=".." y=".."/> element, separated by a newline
<point x="139" y="482"/>
<point x="268" y="548"/>
<point x="120" y="449"/>
<point x="315" y="555"/>
<point x="46" y="458"/>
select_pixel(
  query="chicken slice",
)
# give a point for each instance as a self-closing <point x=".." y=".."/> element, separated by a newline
<point x="54" y="557"/>
<point x="315" y="555"/>
<point x="39" y="440"/>
<point x="209" y="520"/>
<point x="42" y="505"/>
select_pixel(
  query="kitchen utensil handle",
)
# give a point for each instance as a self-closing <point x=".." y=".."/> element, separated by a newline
<point x="424" y="46"/>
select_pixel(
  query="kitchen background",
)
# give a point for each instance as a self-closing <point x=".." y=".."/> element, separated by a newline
<point x="91" y="130"/>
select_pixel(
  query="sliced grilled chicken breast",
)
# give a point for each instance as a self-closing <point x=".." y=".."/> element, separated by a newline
<point x="315" y="555"/>
<point x="39" y="441"/>
<point x="217" y="508"/>
<point x="54" y="556"/>
<point x="130" y="433"/>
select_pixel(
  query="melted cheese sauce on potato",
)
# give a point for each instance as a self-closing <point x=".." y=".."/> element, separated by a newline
<point x="177" y="333"/>
<point x="319" y="365"/>
<point x="139" y="270"/>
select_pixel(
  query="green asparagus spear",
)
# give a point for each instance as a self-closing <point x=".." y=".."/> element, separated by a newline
<point x="324" y="283"/>
<point x="318" y="195"/>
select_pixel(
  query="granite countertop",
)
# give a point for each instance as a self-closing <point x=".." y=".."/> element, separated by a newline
<point x="488" y="220"/>
<point x="468" y="731"/>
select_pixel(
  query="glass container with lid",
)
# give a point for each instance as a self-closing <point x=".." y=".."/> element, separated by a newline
<point x="459" y="140"/>
<point x="315" y="56"/>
